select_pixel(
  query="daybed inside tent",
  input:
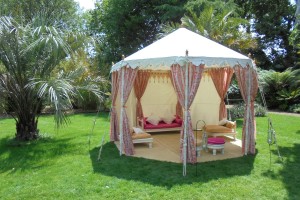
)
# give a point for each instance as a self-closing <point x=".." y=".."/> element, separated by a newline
<point x="182" y="74"/>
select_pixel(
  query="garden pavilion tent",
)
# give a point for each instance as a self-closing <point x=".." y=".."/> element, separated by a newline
<point x="186" y="57"/>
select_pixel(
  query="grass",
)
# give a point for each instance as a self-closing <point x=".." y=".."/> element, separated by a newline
<point x="63" y="165"/>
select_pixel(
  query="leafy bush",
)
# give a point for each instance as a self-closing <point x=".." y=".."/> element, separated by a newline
<point x="280" y="88"/>
<point x="238" y="111"/>
<point x="2" y="105"/>
<point x="234" y="90"/>
<point x="295" y="108"/>
<point x="259" y="110"/>
<point x="107" y="104"/>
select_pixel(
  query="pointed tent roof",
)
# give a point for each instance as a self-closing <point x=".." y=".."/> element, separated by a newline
<point x="171" y="50"/>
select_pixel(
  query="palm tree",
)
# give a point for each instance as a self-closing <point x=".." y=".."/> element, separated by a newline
<point x="29" y="54"/>
<point x="217" y="21"/>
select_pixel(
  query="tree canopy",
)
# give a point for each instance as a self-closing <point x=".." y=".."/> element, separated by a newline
<point x="272" y="21"/>
<point x="62" y="13"/>
<point x="262" y="28"/>
<point x="124" y="26"/>
<point x="220" y="22"/>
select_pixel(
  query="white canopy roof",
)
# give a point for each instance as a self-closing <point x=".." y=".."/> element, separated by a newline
<point x="171" y="50"/>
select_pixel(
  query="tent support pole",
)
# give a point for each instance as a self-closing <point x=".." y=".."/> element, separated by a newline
<point x="185" y="115"/>
<point x="248" y="111"/>
<point x="122" y="110"/>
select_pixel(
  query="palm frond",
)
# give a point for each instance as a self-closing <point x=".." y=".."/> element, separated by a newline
<point x="50" y="37"/>
<point x="167" y="29"/>
<point x="189" y="24"/>
<point x="59" y="93"/>
<point x="93" y="86"/>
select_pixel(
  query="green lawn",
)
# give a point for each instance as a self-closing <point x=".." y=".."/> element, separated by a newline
<point x="63" y="165"/>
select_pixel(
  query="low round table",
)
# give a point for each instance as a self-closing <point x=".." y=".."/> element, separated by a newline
<point x="216" y="143"/>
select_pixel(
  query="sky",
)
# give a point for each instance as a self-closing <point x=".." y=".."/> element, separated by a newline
<point x="89" y="4"/>
<point x="86" y="4"/>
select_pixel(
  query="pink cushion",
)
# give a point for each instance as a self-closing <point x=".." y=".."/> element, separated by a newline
<point x="215" y="141"/>
<point x="145" y="120"/>
<point x="168" y="119"/>
<point x="161" y="125"/>
<point x="154" y="119"/>
<point x="178" y="120"/>
<point x="176" y="123"/>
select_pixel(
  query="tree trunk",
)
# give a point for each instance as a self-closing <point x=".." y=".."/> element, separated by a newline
<point x="27" y="129"/>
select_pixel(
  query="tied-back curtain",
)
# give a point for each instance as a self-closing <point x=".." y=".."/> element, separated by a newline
<point x="221" y="78"/>
<point x="114" y="125"/>
<point x="194" y="78"/>
<point x="129" y="75"/>
<point x="178" y="106"/>
<point x="248" y="83"/>
<point x="140" y="85"/>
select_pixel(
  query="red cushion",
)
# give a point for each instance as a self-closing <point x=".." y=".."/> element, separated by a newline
<point x="178" y="121"/>
<point x="215" y="141"/>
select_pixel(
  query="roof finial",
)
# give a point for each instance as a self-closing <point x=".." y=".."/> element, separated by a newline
<point x="123" y="57"/>
<point x="186" y="52"/>
<point x="250" y="55"/>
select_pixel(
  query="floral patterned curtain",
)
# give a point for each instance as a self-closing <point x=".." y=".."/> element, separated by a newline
<point x="114" y="129"/>
<point x="128" y="75"/>
<point x="178" y="106"/>
<point x="248" y="84"/>
<point x="140" y="85"/>
<point x="194" y="78"/>
<point x="221" y="78"/>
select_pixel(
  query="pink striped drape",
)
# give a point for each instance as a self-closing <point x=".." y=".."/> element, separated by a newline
<point x="129" y="75"/>
<point x="140" y="85"/>
<point x="179" y="109"/>
<point x="114" y="125"/>
<point x="178" y="106"/>
<point x="247" y="81"/>
<point x="221" y="78"/>
<point x="194" y="78"/>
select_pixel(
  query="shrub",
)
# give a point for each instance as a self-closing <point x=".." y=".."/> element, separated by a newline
<point x="281" y="88"/>
<point x="238" y="111"/>
<point x="259" y="110"/>
<point x="107" y="104"/>
<point x="295" y="108"/>
<point x="87" y="101"/>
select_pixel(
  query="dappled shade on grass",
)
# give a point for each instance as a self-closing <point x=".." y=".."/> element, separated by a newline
<point x="291" y="169"/>
<point x="166" y="174"/>
<point x="31" y="155"/>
